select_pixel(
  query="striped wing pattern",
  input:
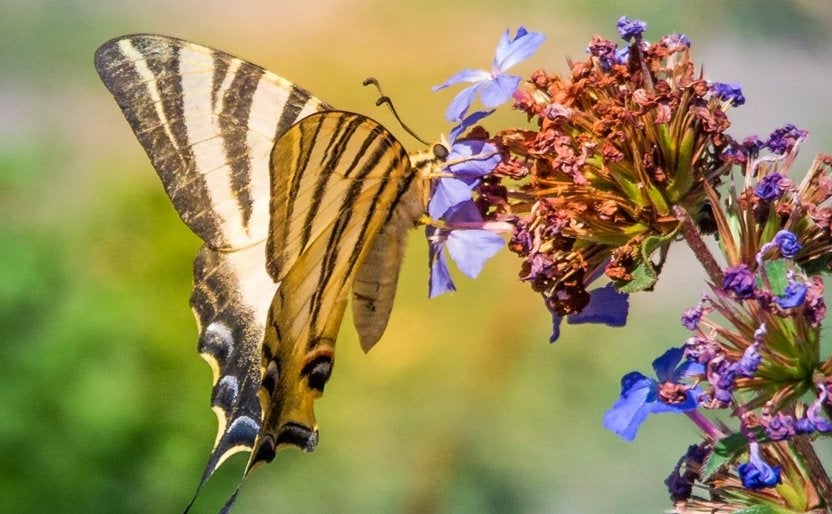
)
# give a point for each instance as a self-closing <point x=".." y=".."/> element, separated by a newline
<point x="338" y="179"/>
<point x="208" y="122"/>
<point x="299" y="207"/>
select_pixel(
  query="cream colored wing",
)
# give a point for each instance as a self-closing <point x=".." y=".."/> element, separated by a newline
<point x="208" y="122"/>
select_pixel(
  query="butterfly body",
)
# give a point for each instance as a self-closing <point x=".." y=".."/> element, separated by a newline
<point x="300" y="208"/>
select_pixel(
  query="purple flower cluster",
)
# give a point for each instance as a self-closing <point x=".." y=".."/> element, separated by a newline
<point x="739" y="281"/>
<point x="693" y="315"/>
<point x="720" y="372"/>
<point x="675" y="42"/>
<point x="771" y="187"/>
<point x="781" y="142"/>
<point x="785" y="139"/>
<point x="813" y="421"/>
<point x="754" y="347"/>
<point x="787" y="243"/>
<point x="629" y="29"/>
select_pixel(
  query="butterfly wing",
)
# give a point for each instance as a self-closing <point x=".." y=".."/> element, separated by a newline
<point x="375" y="284"/>
<point x="337" y="180"/>
<point x="208" y="122"/>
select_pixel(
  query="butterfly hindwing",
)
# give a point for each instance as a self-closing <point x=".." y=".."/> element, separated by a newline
<point x="338" y="178"/>
<point x="208" y="122"/>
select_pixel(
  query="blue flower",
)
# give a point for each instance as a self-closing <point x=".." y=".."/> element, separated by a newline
<point x="739" y="280"/>
<point x="469" y="248"/>
<point x="793" y="296"/>
<point x="628" y="29"/>
<point x="641" y="395"/>
<point x="691" y="318"/>
<point x="770" y="187"/>
<point x="787" y="243"/>
<point x="693" y="315"/>
<point x="750" y="360"/>
<point x="622" y="55"/>
<point x="756" y="473"/>
<point x="494" y="87"/>
<point x="467" y="161"/>
<point x="813" y="421"/>
<point x="675" y="41"/>
<point x="728" y="92"/>
<point x="603" y="49"/>
<point x="606" y="305"/>
<point x="784" y="139"/>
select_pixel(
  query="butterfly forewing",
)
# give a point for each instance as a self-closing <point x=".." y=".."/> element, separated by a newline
<point x="338" y="178"/>
<point x="208" y="122"/>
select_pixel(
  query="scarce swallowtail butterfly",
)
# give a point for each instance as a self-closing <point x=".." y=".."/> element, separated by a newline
<point x="300" y="207"/>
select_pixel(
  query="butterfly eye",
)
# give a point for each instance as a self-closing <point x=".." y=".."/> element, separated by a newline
<point x="317" y="372"/>
<point x="440" y="152"/>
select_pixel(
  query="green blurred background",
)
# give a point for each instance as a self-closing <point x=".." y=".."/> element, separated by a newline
<point x="463" y="406"/>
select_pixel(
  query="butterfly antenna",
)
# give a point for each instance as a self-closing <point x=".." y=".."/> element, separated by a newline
<point x="384" y="99"/>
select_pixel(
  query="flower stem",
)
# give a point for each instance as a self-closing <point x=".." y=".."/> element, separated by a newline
<point x="695" y="242"/>
<point x="711" y="431"/>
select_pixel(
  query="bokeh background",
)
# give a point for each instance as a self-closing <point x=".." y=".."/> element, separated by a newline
<point x="463" y="406"/>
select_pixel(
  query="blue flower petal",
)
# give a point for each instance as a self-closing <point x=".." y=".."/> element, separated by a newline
<point x="469" y="121"/>
<point x="440" y="278"/>
<point x="499" y="90"/>
<point x="472" y="157"/>
<point x="556" y="320"/>
<point x="687" y="369"/>
<point x="631" y="409"/>
<point x="665" y="365"/>
<point x="606" y="305"/>
<point x="467" y="75"/>
<point x="470" y="249"/>
<point x="463" y="212"/>
<point x="793" y="296"/>
<point x="448" y="193"/>
<point x="510" y="52"/>
<point x="462" y="102"/>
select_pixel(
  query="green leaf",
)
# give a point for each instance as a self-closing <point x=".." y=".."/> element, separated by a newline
<point x="646" y="274"/>
<point x="777" y="276"/>
<point x="724" y="450"/>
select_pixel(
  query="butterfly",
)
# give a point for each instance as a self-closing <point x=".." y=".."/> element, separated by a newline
<point x="300" y="206"/>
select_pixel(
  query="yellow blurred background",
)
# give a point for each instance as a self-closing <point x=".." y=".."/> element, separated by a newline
<point x="463" y="406"/>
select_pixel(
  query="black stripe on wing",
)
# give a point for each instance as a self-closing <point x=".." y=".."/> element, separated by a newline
<point x="205" y="119"/>
<point x="336" y="177"/>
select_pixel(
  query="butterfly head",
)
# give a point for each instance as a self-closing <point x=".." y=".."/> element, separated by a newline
<point x="427" y="166"/>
